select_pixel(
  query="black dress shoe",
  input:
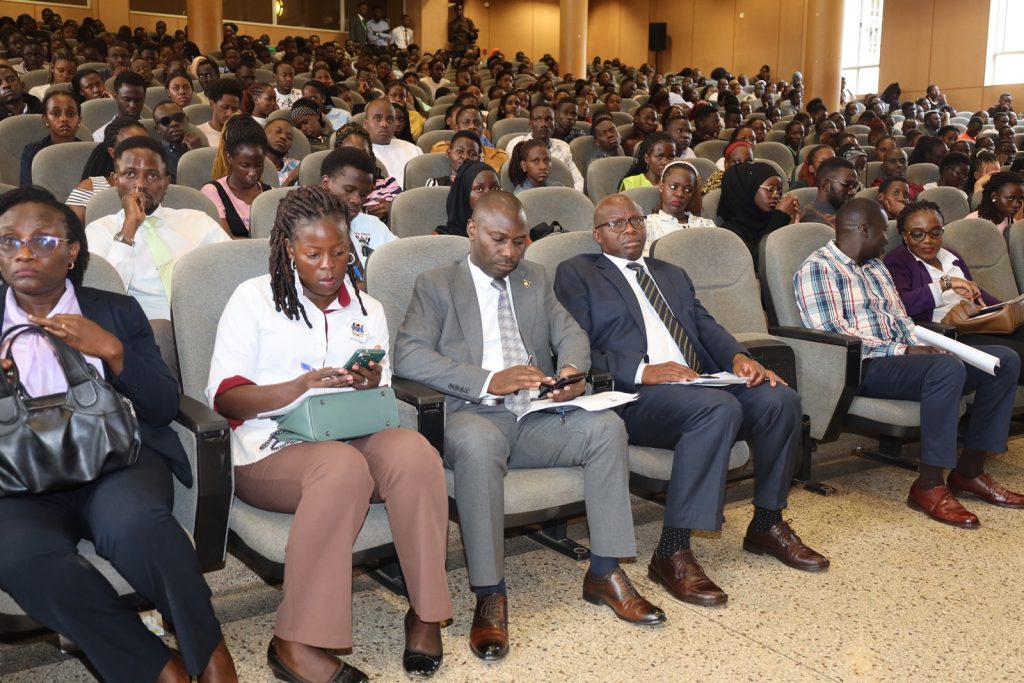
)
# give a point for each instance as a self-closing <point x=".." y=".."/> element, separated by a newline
<point x="419" y="664"/>
<point x="344" y="674"/>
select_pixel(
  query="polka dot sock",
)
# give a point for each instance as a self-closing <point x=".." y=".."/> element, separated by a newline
<point x="765" y="519"/>
<point x="672" y="541"/>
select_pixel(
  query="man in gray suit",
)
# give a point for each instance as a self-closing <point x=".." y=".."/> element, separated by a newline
<point x="483" y="330"/>
<point x="357" y="24"/>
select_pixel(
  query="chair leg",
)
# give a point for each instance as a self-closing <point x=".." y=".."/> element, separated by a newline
<point x="890" y="452"/>
<point x="389" y="574"/>
<point x="807" y="448"/>
<point x="555" y="535"/>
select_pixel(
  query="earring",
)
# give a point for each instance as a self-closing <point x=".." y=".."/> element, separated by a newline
<point x="71" y="266"/>
<point x="351" y="259"/>
<point x="291" y="264"/>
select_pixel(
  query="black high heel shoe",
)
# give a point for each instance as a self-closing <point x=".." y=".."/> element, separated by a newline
<point x="345" y="673"/>
<point x="418" y="664"/>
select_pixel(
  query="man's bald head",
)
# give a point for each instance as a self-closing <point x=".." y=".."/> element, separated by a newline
<point x="497" y="233"/>
<point x="620" y="227"/>
<point x="860" y="229"/>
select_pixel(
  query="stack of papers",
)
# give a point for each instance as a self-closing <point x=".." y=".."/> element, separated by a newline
<point x="594" y="402"/>
<point x="719" y="379"/>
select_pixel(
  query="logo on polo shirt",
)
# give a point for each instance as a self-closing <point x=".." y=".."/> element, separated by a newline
<point x="358" y="331"/>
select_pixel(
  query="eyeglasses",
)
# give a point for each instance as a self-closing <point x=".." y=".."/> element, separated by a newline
<point x="40" y="247"/>
<point x="173" y="118"/>
<point x="918" y="235"/>
<point x="772" y="190"/>
<point x="619" y="224"/>
<point x="848" y="185"/>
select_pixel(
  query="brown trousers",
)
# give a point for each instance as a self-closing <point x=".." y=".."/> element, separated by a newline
<point x="329" y="487"/>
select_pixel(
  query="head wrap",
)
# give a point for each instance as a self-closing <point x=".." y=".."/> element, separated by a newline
<point x="458" y="207"/>
<point x="737" y="208"/>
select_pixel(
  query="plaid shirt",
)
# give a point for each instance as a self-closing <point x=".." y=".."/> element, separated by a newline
<point x="834" y="294"/>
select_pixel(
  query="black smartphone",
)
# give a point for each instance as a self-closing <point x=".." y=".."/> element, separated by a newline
<point x="362" y="357"/>
<point x="545" y="389"/>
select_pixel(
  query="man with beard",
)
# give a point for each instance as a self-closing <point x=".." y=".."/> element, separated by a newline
<point x="837" y="184"/>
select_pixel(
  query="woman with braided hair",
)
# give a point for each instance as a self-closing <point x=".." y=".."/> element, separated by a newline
<point x="279" y="336"/>
<point x="238" y="169"/>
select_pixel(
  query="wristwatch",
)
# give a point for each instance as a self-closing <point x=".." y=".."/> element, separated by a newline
<point x="120" y="237"/>
<point x="946" y="282"/>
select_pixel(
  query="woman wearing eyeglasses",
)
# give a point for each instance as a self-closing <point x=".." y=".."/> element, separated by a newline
<point x="932" y="279"/>
<point x="753" y="204"/>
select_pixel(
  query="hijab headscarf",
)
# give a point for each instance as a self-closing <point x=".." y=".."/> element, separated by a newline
<point x="458" y="207"/>
<point x="737" y="208"/>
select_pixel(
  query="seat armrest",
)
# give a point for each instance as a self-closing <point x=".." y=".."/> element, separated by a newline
<point x="819" y="336"/>
<point x="942" y="328"/>
<point x="430" y="408"/>
<point x="776" y="355"/>
<point x="203" y="510"/>
<point x="600" y="380"/>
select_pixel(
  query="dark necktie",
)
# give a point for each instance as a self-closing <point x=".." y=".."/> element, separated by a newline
<point x="675" y="328"/>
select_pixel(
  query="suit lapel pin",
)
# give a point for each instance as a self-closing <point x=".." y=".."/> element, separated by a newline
<point x="526" y="284"/>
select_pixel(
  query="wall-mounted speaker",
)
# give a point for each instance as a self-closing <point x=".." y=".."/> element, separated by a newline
<point x="657" y="37"/>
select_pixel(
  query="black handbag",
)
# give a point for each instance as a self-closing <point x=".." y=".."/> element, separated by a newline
<point x="62" y="441"/>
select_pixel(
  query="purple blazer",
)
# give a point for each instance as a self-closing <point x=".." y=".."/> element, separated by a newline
<point x="912" y="281"/>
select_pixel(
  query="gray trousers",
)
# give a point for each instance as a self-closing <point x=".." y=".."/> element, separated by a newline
<point x="482" y="443"/>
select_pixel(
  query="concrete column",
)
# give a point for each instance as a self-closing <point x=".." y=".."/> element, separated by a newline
<point x="205" y="22"/>
<point x="823" y="44"/>
<point x="572" y="37"/>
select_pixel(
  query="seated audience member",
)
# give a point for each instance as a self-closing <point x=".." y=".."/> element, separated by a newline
<point x="856" y="156"/>
<point x="566" y="114"/>
<point x="893" y="195"/>
<point x="1006" y="150"/>
<point x="649" y="160"/>
<point x="895" y="165"/>
<point x="974" y="126"/>
<point x="284" y="80"/>
<point x="954" y="170"/>
<point x="752" y="203"/>
<point x="61" y="117"/>
<point x="706" y="124"/>
<point x="676" y="342"/>
<point x="1001" y="199"/>
<point x="844" y="287"/>
<point x="144" y="239"/>
<point x="280" y="135"/>
<point x="837" y="184"/>
<point x="173" y="130"/>
<point x="680" y="130"/>
<point x="282" y="318"/>
<point x="929" y="150"/>
<point x="206" y="73"/>
<point x="463" y="147"/>
<point x="262" y="102"/>
<point x="130" y="97"/>
<point x="483" y="437"/>
<point x="795" y="134"/>
<point x="827" y="132"/>
<point x="385" y="187"/>
<point x="335" y="117"/>
<point x="806" y="176"/>
<point x="949" y="135"/>
<point x="87" y="84"/>
<point x="931" y="279"/>
<point x="541" y="128"/>
<point x="739" y="152"/>
<point x="983" y="166"/>
<point x="884" y="145"/>
<point x="225" y="95"/>
<point x="398" y="94"/>
<point x="307" y="119"/>
<point x="238" y="169"/>
<point x="126" y="513"/>
<point x="645" y="122"/>
<point x="179" y="88"/>
<point x="468" y="118"/>
<point x="530" y="166"/>
<point x="347" y="173"/>
<point x="679" y="203"/>
<point x="393" y="153"/>
<point x="13" y="98"/>
<point x="62" y="71"/>
<point x="473" y="179"/>
<point x="97" y="175"/>
<point x="607" y="141"/>
<point x="435" y="80"/>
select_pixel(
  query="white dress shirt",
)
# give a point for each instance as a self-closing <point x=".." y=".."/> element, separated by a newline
<point x="944" y="300"/>
<point x="395" y="156"/>
<point x="182" y="230"/>
<point x="257" y="344"/>
<point x="403" y="37"/>
<point x="661" y="347"/>
<point x="559" y="150"/>
<point x="492" y="358"/>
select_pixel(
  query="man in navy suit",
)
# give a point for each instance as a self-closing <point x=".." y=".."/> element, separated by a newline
<point x="648" y="329"/>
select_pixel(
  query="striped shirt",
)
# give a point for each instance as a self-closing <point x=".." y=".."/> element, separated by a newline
<point x="835" y="294"/>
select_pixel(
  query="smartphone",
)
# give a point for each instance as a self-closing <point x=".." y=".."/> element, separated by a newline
<point x="561" y="383"/>
<point x="362" y="357"/>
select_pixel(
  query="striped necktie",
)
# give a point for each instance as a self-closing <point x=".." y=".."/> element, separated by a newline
<point x="513" y="352"/>
<point x="675" y="328"/>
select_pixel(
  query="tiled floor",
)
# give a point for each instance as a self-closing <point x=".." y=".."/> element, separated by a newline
<point x="906" y="599"/>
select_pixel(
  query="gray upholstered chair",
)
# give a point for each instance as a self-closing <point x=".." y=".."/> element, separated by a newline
<point x="776" y="135"/>
<point x="15" y="133"/>
<point x="418" y="211"/>
<point x="532" y="496"/>
<point x="923" y="173"/>
<point x="264" y="211"/>
<point x="97" y="113"/>
<point x="58" y="168"/>
<point x="560" y="173"/>
<point x="709" y="206"/>
<point x="422" y="168"/>
<point x="565" y="205"/>
<point x="804" y="195"/>
<point x="1015" y="245"/>
<point x="605" y="175"/>
<point x="646" y="197"/>
<point x="777" y="152"/>
<point x="869" y="193"/>
<point x="504" y="127"/>
<point x="202" y="510"/>
<point x="952" y="202"/>
<point x="872" y="172"/>
<point x="434" y="123"/>
<point x="107" y="202"/>
<point x="195" y="168"/>
<point x="710" y="149"/>
<point x="427" y="140"/>
<point x="203" y="281"/>
<point x="309" y="169"/>
<point x="199" y="114"/>
<point x="985" y="252"/>
<point x="705" y="167"/>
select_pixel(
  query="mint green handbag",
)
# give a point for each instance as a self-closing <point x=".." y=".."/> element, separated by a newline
<point x="340" y="416"/>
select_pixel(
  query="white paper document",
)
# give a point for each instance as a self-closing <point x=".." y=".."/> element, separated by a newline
<point x="601" y="401"/>
<point x="718" y="379"/>
<point x="284" y="410"/>
<point x="968" y="354"/>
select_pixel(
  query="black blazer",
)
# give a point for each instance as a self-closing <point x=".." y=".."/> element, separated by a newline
<point x="597" y="295"/>
<point x="145" y="379"/>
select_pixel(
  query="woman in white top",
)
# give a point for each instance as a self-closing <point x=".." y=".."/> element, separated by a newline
<point x="680" y="203"/>
<point x="279" y="336"/>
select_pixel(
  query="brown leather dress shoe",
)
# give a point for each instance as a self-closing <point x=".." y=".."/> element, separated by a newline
<point x="616" y="591"/>
<point x="684" y="578"/>
<point x="783" y="543"/>
<point x="940" y="504"/>
<point x="488" y="638"/>
<point x="986" y="488"/>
